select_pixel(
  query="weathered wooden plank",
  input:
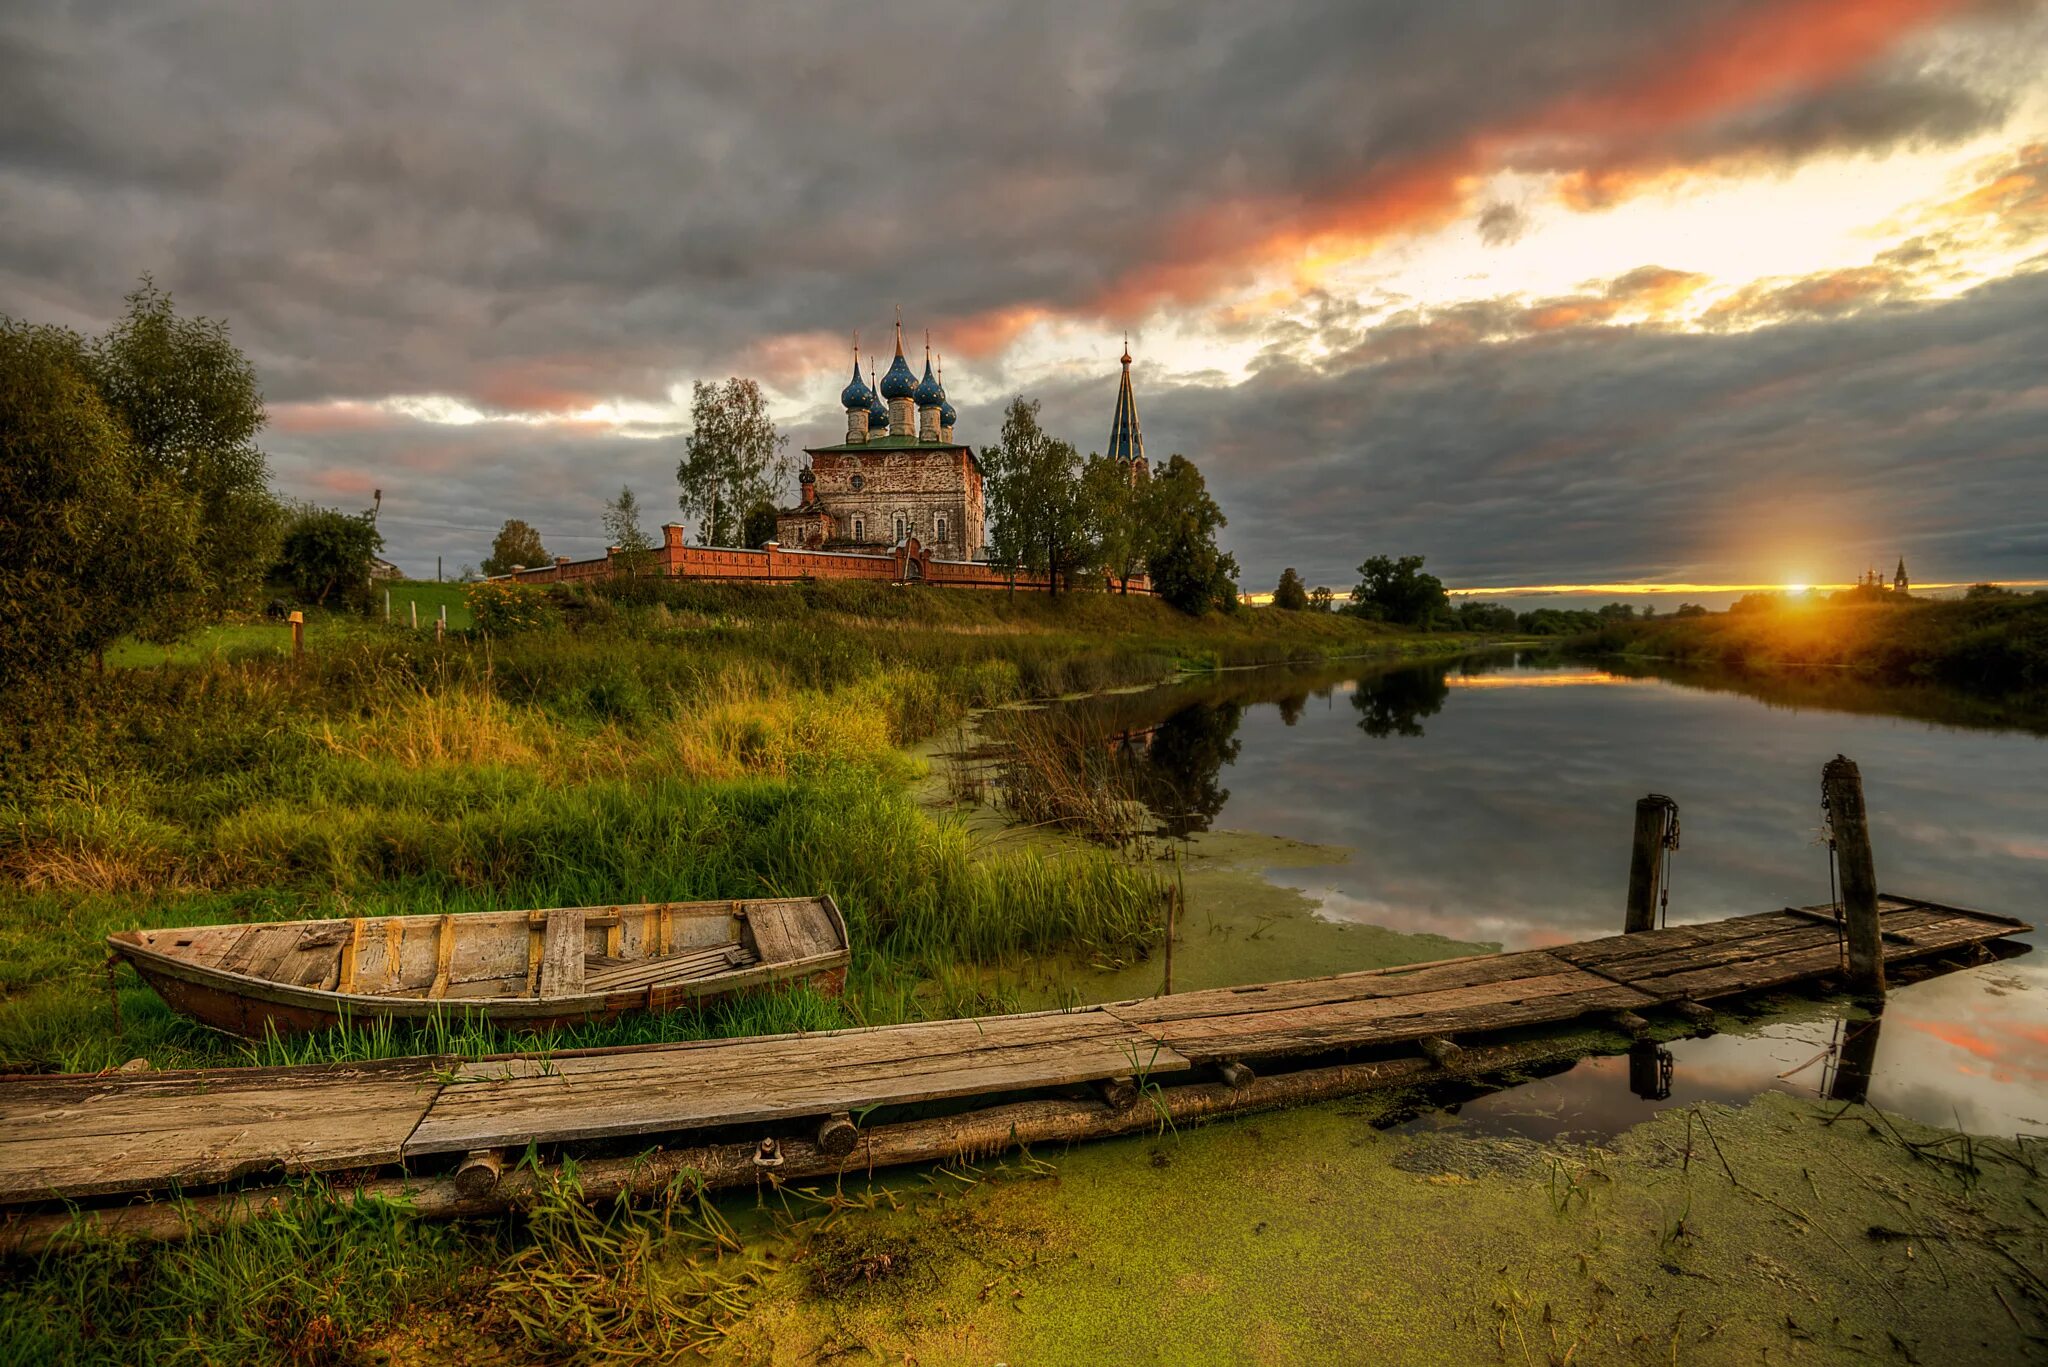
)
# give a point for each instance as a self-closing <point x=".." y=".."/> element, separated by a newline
<point x="561" y="954"/>
<point x="1322" y="1027"/>
<point x="748" y="1080"/>
<point x="74" y="1137"/>
<point x="1475" y="971"/>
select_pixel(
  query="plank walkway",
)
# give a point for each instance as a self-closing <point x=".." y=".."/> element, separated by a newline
<point x="74" y="1136"/>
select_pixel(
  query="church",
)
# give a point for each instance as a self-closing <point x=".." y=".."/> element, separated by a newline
<point x="899" y="475"/>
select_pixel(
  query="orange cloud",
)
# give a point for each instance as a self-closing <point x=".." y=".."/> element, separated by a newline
<point x="1830" y="292"/>
<point x="2017" y="197"/>
<point x="341" y="415"/>
<point x="1725" y="66"/>
<point x="533" y="388"/>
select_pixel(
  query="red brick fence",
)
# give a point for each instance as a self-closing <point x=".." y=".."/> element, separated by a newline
<point x="908" y="563"/>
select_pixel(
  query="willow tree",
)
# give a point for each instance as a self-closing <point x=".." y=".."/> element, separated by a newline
<point x="732" y="459"/>
<point x="1037" y="511"/>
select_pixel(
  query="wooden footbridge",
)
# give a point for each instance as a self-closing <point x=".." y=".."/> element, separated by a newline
<point x="441" y="1131"/>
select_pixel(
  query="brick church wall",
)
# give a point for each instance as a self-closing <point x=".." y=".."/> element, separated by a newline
<point x="921" y="487"/>
<point x="720" y="564"/>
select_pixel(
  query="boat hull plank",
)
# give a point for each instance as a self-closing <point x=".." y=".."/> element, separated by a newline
<point x="561" y="955"/>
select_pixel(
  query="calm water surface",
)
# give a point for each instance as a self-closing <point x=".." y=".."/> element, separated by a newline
<point x="1492" y="800"/>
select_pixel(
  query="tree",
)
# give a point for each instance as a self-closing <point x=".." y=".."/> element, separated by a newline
<point x="516" y="544"/>
<point x="1398" y="591"/>
<point x="622" y="529"/>
<point x="327" y="554"/>
<point x="1036" y="507"/>
<point x="189" y="401"/>
<point x="95" y="542"/>
<point x="1291" y="595"/>
<point x="758" y="528"/>
<point x="1116" y="506"/>
<point x="1690" y="610"/>
<point x="1320" y="597"/>
<point x="732" y="459"/>
<point x="1188" y="570"/>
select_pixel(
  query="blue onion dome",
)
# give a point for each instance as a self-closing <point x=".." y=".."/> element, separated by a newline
<point x="878" y="411"/>
<point x="928" y="394"/>
<point x="897" y="381"/>
<point x="946" y="413"/>
<point x="856" y="394"/>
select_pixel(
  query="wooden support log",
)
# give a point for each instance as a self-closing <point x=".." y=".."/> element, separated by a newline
<point x="1117" y="1093"/>
<point x="1694" y="1012"/>
<point x="1645" y="864"/>
<point x="976" y="1135"/>
<point x="479" y="1173"/>
<point x="1850" y="825"/>
<point x="1442" y="1052"/>
<point x="837" y="1134"/>
<point x="1235" y="1073"/>
<point x="1630" y="1024"/>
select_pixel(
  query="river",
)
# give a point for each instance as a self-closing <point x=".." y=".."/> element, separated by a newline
<point x="1400" y="814"/>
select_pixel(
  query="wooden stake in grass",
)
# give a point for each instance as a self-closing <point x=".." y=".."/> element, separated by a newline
<point x="298" y="620"/>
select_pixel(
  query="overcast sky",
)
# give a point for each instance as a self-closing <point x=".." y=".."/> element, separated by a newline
<point x="1572" y="292"/>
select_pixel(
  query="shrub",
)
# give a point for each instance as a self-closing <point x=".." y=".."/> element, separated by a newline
<point x="506" y="609"/>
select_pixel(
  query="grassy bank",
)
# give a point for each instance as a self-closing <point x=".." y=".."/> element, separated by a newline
<point x="684" y="742"/>
<point x="675" y="743"/>
<point x="1987" y="646"/>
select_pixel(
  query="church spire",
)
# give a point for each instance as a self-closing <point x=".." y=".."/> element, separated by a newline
<point x="1126" y="441"/>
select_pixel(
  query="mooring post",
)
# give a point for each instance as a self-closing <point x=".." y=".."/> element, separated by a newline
<point x="1645" y="863"/>
<point x="1849" y="824"/>
<point x="1172" y="905"/>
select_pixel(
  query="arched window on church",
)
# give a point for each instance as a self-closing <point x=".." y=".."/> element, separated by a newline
<point x="939" y="530"/>
<point x="859" y="531"/>
<point x="902" y="528"/>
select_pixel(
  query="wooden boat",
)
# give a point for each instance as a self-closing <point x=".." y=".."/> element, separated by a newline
<point x="519" y="968"/>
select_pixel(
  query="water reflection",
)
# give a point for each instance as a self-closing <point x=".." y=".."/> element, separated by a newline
<point x="1490" y="800"/>
<point x="1394" y="704"/>
<point x="1177" y="766"/>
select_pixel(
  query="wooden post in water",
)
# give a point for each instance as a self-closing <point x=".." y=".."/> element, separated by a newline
<point x="1645" y="864"/>
<point x="1850" y="824"/>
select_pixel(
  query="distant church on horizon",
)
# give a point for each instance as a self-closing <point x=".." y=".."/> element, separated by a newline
<point x="899" y="476"/>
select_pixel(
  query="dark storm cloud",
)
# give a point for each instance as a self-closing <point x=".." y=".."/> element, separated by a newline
<point x="534" y="205"/>
<point x="1599" y="454"/>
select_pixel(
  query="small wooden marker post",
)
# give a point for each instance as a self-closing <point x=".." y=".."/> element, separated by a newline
<point x="414" y="606"/>
<point x="387" y="605"/>
<point x="298" y="621"/>
<point x="1849" y="824"/>
<point x="1646" y="864"/>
